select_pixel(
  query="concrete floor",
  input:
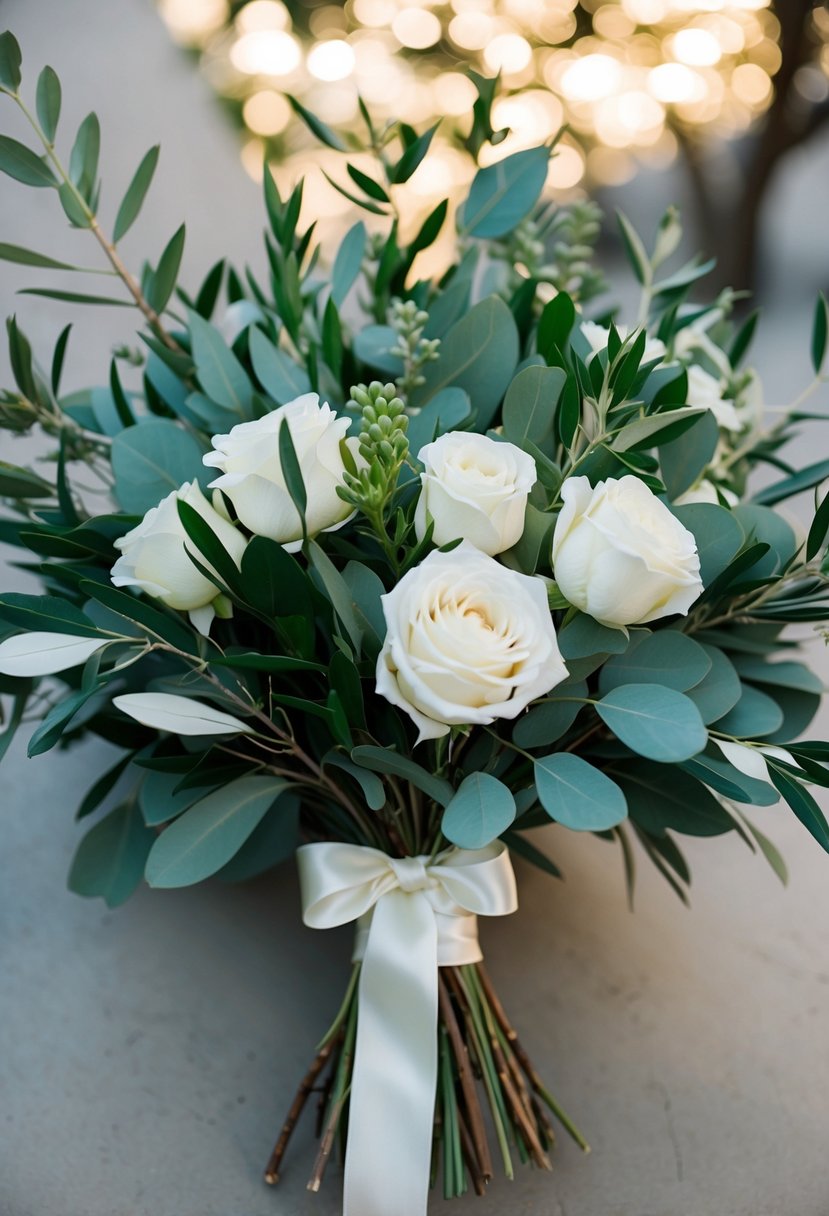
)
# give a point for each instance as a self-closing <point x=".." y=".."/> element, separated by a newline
<point x="147" y="1056"/>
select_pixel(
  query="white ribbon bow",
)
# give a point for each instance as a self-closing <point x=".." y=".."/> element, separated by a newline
<point x="418" y="913"/>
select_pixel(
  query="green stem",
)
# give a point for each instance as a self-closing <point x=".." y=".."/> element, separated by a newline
<point x="108" y="246"/>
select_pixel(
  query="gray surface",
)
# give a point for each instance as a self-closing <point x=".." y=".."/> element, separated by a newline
<point x="147" y="1056"/>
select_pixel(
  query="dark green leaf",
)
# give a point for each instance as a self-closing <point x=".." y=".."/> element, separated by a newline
<point x="28" y="257"/>
<point x="413" y="155"/>
<point x="384" y="760"/>
<point x="683" y="460"/>
<point x="23" y="165"/>
<point x="372" y="188"/>
<point x="110" y="859"/>
<point x="316" y="126"/>
<point x="372" y="787"/>
<point x="48" y="99"/>
<point x="166" y="275"/>
<point x="662" y="796"/>
<point x="105" y="784"/>
<point x="555" y="324"/>
<point x="803" y="479"/>
<point x="45" y="613"/>
<point x="819" y="331"/>
<point x="136" y="193"/>
<point x="83" y="159"/>
<point x="22" y="483"/>
<point x="803" y="804"/>
<point x="291" y="472"/>
<point x="10" y="60"/>
<point x="75" y="297"/>
<point x="207" y="835"/>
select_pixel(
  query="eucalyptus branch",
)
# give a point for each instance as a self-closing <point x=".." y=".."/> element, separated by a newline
<point x="108" y="246"/>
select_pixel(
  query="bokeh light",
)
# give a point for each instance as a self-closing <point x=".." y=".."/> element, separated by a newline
<point x="630" y="78"/>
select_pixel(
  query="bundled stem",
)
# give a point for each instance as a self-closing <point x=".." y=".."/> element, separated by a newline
<point x="481" y="1064"/>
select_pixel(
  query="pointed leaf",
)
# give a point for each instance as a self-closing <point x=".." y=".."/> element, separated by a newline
<point x="181" y="715"/>
<point x="23" y="165"/>
<point x="48" y="100"/>
<point x="209" y="834"/>
<point x="136" y="193"/>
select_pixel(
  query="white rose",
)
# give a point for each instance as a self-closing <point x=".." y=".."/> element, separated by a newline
<point x="154" y="558"/>
<point x="252" y="477"/>
<point x="706" y="491"/>
<point x="597" y="336"/>
<point x="694" y="337"/>
<point x="475" y="488"/>
<point x="620" y="555"/>
<point x="467" y="641"/>
<point x="706" y="391"/>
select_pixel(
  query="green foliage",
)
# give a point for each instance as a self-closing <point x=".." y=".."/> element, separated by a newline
<point x="207" y="835"/>
<point x="578" y="795"/>
<point x="498" y="345"/>
<point x="654" y="721"/>
<point x="480" y="810"/>
<point x="151" y="459"/>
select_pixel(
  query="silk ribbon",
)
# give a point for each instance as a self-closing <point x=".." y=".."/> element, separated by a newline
<point x="415" y="914"/>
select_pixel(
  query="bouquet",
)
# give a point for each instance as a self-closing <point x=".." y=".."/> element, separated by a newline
<point x="386" y="569"/>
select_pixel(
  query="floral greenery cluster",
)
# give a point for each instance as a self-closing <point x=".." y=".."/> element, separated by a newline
<point x="598" y="471"/>
<point x="408" y="563"/>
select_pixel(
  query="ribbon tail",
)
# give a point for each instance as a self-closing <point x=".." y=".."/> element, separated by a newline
<point x="392" y="1104"/>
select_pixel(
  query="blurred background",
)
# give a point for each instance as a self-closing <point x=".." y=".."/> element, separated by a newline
<point x="146" y="1056"/>
<point x="725" y="90"/>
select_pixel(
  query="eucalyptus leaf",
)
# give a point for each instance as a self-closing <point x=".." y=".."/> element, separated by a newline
<point x="502" y="194"/>
<point x="578" y="795"/>
<point x="718" y="533"/>
<point x="208" y="834"/>
<point x="719" y="690"/>
<point x="110" y="859"/>
<point x="756" y="714"/>
<point x="152" y="459"/>
<point x="384" y="760"/>
<point x="23" y="165"/>
<point x="658" y="723"/>
<point x="479" y="355"/>
<point x="480" y="810"/>
<point x="530" y="404"/>
<point x="281" y="378"/>
<point x="666" y="657"/>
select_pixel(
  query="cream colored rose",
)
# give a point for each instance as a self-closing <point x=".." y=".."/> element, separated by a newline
<point x="475" y="488"/>
<point x="706" y="391"/>
<point x="252" y="477"/>
<point x="468" y="641"/>
<point x="620" y="555"/>
<point x="154" y="557"/>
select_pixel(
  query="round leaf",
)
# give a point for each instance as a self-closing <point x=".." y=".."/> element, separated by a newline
<point x="479" y="812"/>
<point x="656" y="722"/>
<point x="668" y="657"/>
<point x="577" y="795"/>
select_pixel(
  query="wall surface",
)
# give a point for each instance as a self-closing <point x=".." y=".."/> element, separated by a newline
<point x="147" y="1056"/>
